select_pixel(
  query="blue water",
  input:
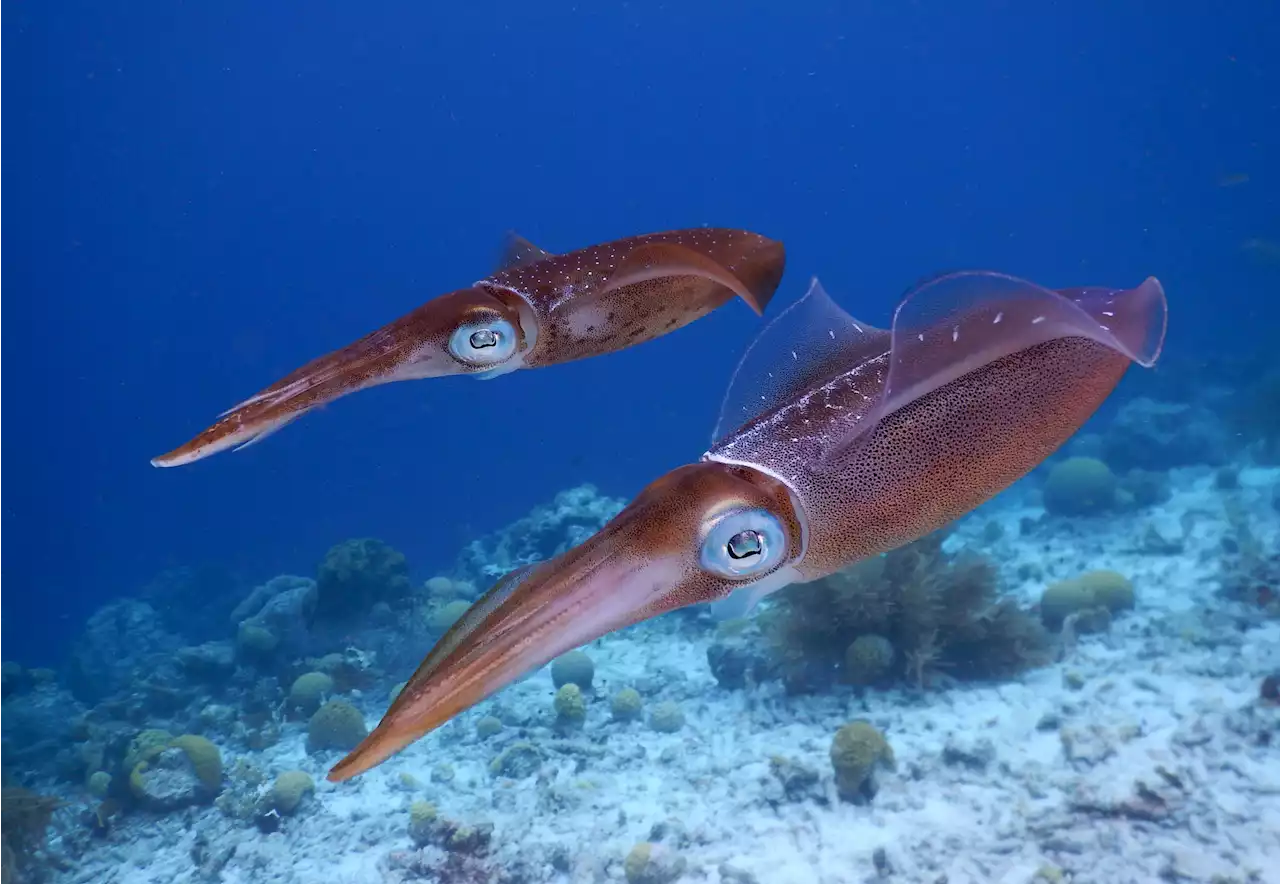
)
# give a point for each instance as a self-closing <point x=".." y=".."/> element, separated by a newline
<point x="203" y="196"/>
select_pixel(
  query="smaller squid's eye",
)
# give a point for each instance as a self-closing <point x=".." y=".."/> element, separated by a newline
<point x="744" y="543"/>
<point x="483" y="344"/>
<point x="486" y="337"/>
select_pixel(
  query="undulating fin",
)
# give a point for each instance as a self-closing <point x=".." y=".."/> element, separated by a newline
<point x="803" y="347"/>
<point x="958" y="323"/>
<point x="468" y="622"/>
<point x="518" y="251"/>
<point x="660" y="260"/>
<point x="1135" y="319"/>
<point x="741" y="602"/>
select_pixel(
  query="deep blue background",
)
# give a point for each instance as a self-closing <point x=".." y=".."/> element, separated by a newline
<point x="200" y="197"/>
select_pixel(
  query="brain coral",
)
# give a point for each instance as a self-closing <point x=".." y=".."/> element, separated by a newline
<point x="575" y="667"/>
<point x="1094" y="589"/>
<point x="1079" y="486"/>
<point x="336" y="725"/>
<point x="868" y="660"/>
<point x="857" y="752"/>
<point x="289" y="789"/>
<point x="308" y="690"/>
<point x="355" y="574"/>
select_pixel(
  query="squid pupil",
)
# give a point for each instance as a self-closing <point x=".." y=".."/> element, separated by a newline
<point x="745" y="544"/>
<point x="486" y="337"/>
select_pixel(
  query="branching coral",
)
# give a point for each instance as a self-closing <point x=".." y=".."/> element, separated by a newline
<point x="939" y="612"/>
<point x="1250" y="571"/>
<point x="24" y="815"/>
<point x="24" y="819"/>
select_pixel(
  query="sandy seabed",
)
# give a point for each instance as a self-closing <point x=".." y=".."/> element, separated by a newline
<point x="1142" y="756"/>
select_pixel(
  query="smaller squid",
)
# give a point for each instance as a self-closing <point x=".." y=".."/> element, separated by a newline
<point x="538" y="309"/>
<point x="837" y="441"/>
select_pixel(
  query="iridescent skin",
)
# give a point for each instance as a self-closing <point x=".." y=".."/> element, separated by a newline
<point x="539" y="309"/>
<point x="845" y="441"/>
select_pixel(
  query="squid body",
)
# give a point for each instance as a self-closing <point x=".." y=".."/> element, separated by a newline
<point x="538" y="309"/>
<point x="836" y="441"/>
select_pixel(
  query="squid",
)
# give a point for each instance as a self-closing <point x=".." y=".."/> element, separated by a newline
<point x="538" y="309"/>
<point x="836" y="441"/>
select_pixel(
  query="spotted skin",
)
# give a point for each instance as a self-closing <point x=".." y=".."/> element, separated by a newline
<point x="549" y="308"/>
<point x="934" y="459"/>
<point x="976" y="397"/>
<point x="580" y="315"/>
<point x="924" y="424"/>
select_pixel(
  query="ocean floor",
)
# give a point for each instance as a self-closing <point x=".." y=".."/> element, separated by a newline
<point x="1144" y="754"/>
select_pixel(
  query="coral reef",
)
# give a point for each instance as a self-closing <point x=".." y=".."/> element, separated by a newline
<point x="441" y="617"/>
<point x="193" y="601"/>
<point x="356" y="574"/>
<point x="336" y="725"/>
<point x="1251" y="570"/>
<point x="667" y="717"/>
<point x="489" y="726"/>
<point x="1094" y="590"/>
<point x="289" y="789"/>
<point x="571" y="708"/>
<point x="309" y="690"/>
<point x="1079" y="486"/>
<point x="122" y="640"/>
<point x="1159" y="436"/>
<point x="276" y="617"/>
<point x="868" y="660"/>
<point x="938" y="613"/>
<point x="649" y="863"/>
<point x="626" y="705"/>
<point x="24" y="820"/>
<point x="1154" y="728"/>
<point x="575" y="668"/>
<point x="858" y="752"/>
<point x="547" y="531"/>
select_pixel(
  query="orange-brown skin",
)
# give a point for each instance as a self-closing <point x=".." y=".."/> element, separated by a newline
<point x="839" y="471"/>
<point x="640" y="565"/>
<point x="938" y="457"/>
<point x="550" y="309"/>
<point x="934" y="457"/>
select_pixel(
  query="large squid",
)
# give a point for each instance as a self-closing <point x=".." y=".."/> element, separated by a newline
<point x="538" y="309"/>
<point x="837" y="441"/>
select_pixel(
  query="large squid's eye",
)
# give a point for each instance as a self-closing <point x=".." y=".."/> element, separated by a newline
<point x="483" y="344"/>
<point x="744" y="543"/>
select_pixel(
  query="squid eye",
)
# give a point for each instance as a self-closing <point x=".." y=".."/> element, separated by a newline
<point x="744" y="543"/>
<point x="486" y="337"/>
<point x="483" y="343"/>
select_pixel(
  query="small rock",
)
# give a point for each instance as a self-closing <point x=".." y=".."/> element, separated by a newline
<point x="168" y="781"/>
<point x="650" y="863"/>
<point x="970" y="752"/>
<point x="737" y="660"/>
<point x="731" y="873"/>
<point x="1190" y="864"/>
<point x="1050" y="721"/>
<point x="798" y="781"/>
<point x="211" y="662"/>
